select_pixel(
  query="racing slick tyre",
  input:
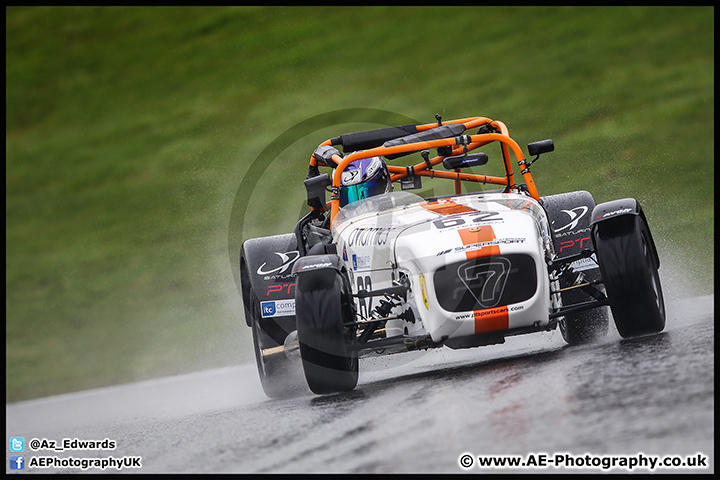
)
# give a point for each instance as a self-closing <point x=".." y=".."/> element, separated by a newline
<point x="322" y="305"/>
<point x="630" y="273"/>
<point x="280" y="377"/>
<point x="585" y="327"/>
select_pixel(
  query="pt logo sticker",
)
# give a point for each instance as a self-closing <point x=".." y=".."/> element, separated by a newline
<point x="287" y="260"/>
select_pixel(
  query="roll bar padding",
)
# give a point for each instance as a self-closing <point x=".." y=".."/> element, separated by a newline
<point x="352" y="142"/>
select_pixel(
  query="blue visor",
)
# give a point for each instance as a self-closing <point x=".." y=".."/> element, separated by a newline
<point x="353" y="193"/>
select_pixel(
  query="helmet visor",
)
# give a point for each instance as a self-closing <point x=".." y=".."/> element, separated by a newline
<point x="353" y="193"/>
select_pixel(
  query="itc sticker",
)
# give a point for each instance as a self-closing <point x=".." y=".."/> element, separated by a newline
<point x="360" y="262"/>
<point x="278" y="308"/>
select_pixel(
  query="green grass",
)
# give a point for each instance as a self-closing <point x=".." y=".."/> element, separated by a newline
<point x="130" y="130"/>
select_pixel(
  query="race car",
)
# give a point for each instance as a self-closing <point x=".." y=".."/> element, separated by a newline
<point x="380" y="269"/>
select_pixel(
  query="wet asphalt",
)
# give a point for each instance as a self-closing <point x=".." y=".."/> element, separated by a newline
<point x="554" y="407"/>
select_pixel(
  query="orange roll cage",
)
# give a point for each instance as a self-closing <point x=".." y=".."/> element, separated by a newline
<point x="460" y="145"/>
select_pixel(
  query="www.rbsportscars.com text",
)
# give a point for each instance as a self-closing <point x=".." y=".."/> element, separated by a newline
<point x="586" y="461"/>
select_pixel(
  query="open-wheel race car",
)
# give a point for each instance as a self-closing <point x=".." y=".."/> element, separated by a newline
<point x="381" y="269"/>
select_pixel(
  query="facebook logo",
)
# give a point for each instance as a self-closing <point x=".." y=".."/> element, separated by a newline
<point x="17" y="444"/>
<point x="17" y="462"/>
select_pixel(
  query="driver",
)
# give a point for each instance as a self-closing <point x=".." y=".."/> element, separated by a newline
<point x="364" y="178"/>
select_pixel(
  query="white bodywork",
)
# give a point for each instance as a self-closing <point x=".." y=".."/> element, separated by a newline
<point x="477" y="242"/>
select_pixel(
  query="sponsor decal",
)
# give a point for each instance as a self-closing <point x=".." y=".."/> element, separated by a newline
<point x="315" y="265"/>
<point x="278" y="308"/>
<point x="487" y="320"/>
<point x="369" y="236"/>
<point x="575" y="215"/>
<point x="480" y="245"/>
<point x="279" y="278"/>
<point x="282" y="288"/>
<point x="287" y="258"/>
<point x="616" y="212"/>
<point x="423" y="289"/>
<point x="570" y="243"/>
<point x="360" y="262"/>
<point x="585" y="264"/>
<point x="585" y="230"/>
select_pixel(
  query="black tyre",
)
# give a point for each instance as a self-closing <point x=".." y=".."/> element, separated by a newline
<point x="629" y="270"/>
<point x="280" y="377"/>
<point x="322" y="305"/>
<point x="586" y="326"/>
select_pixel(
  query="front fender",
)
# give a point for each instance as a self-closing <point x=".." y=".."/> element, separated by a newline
<point x="609" y="212"/>
<point x="616" y="208"/>
<point x="314" y="263"/>
<point x="312" y="271"/>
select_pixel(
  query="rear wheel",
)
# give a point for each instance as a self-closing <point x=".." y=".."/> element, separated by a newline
<point x="280" y="376"/>
<point x="630" y="273"/>
<point x="322" y="305"/>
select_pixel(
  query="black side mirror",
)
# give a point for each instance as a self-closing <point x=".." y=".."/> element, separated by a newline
<point x="462" y="161"/>
<point x="538" y="148"/>
<point x="315" y="187"/>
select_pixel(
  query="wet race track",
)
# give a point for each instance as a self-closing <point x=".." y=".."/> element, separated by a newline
<point x="533" y="398"/>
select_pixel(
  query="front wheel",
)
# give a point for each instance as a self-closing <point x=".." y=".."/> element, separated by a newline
<point x="322" y="306"/>
<point x="630" y="273"/>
